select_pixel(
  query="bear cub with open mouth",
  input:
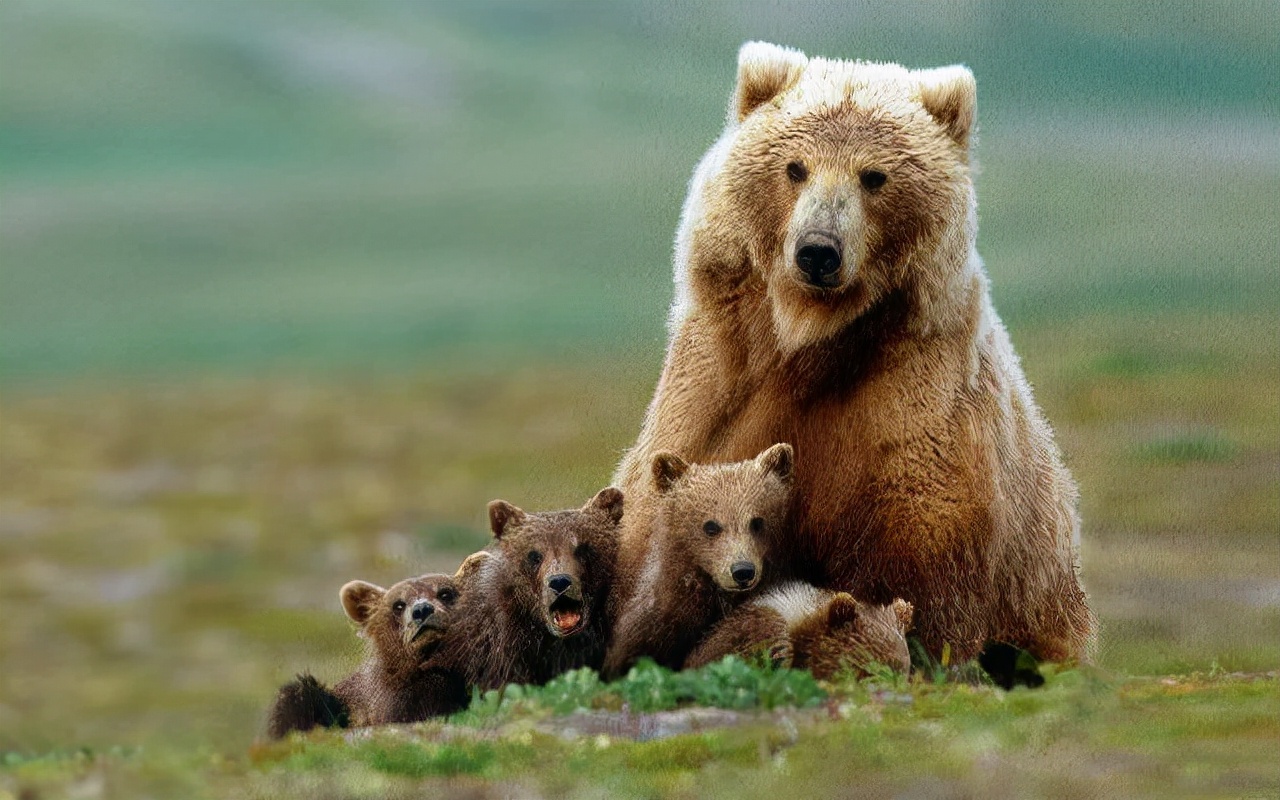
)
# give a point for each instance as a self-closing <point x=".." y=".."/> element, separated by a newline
<point x="540" y="592"/>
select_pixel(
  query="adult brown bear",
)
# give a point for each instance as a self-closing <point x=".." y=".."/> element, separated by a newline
<point x="829" y="295"/>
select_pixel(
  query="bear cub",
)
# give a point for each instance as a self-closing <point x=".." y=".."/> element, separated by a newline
<point x="798" y="625"/>
<point x="709" y="547"/>
<point x="538" y="594"/>
<point x="407" y="675"/>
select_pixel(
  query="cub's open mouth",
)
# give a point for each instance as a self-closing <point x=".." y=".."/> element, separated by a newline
<point x="567" y="617"/>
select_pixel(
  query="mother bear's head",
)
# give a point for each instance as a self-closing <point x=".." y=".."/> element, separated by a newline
<point x="835" y="185"/>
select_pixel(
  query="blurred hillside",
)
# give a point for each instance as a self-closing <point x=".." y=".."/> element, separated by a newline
<point x="326" y="184"/>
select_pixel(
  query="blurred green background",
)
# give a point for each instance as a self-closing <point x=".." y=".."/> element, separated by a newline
<point x="289" y="290"/>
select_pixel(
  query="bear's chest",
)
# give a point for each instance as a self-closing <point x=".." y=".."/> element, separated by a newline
<point x="878" y="462"/>
<point x="851" y="434"/>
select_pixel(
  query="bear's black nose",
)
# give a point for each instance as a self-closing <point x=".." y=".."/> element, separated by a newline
<point x="559" y="583"/>
<point x="818" y="257"/>
<point x="422" y="609"/>
<point x="743" y="573"/>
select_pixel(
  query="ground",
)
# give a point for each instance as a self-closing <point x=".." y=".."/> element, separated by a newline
<point x="1085" y="735"/>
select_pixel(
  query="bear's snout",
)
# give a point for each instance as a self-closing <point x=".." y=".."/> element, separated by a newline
<point x="818" y="258"/>
<point x="566" y="607"/>
<point x="422" y="617"/>
<point x="559" y="583"/>
<point x="744" y="574"/>
<point x="421" y="610"/>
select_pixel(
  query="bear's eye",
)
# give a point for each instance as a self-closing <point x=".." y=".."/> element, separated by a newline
<point x="534" y="558"/>
<point x="756" y="524"/>
<point x="711" y="527"/>
<point x="398" y="607"/>
<point x="582" y="552"/>
<point x="446" y="595"/>
<point x="872" y="179"/>
<point x="797" y="172"/>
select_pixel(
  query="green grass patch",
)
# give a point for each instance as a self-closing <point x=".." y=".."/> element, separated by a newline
<point x="1188" y="447"/>
<point x="452" y="538"/>
<point x="730" y="683"/>
<point x="1084" y="732"/>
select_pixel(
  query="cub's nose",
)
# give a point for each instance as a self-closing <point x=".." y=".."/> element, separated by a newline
<point x="559" y="583"/>
<point x="744" y="572"/>
<point x="818" y="257"/>
<point x="422" y="609"/>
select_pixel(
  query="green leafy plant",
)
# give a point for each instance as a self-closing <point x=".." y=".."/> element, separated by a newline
<point x="730" y="683"/>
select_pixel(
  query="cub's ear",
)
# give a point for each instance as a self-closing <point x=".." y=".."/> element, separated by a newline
<point x="470" y="566"/>
<point x="360" y="600"/>
<point x="842" y="610"/>
<point x="667" y="469"/>
<point x="950" y="95"/>
<point x="609" y="501"/>
<point x="905" y="612"/>
<point x="503" y="515"/>
<point x="779" y="459"/>
<point x="764" y="72"/>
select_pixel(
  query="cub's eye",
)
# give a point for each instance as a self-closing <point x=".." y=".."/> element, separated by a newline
<point x="711" y="527"/>
<point x="872" y="179"/>
<point x="756" y="524"/>
<point x="797" y="172"/>
<point x="447" y="595"/>
<point x="582" y="552"/>
<point x="534" y="558"/>
<point x="398" y="607"/>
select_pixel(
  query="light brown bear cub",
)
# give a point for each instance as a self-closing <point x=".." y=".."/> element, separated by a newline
<point x="537" y="599"/>
<point x="408" y="674"/>
<point x="798" y="625"/>
<point x="709" y="547"/>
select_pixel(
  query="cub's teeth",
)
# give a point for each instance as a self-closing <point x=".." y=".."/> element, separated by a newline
<point x="566" y="620"/>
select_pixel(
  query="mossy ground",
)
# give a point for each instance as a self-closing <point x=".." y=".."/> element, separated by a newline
<point x="1085" y="734"/>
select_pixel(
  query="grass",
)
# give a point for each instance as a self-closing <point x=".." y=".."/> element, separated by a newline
<point x="1085" y="733"/>
<point x="731" y="684"/>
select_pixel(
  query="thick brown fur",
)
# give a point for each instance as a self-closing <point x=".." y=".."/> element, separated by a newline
<point x="800" y="626"/>
<point x="925" y="469"/>
<point x="710" y="546"/>
<point x="408" y="674"/>
<point x="538" y="595"/>
<point x="305" y="703"/>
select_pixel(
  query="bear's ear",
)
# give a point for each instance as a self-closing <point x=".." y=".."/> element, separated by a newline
<point x="470" y="566"/>
<point x="502" y="515"/>
<point x="667" y="469"/>
<point x="608" y="500"/>
<point x="905" y="612"/>
<point x="842" y="610"/>
<point x="360" y="599"/>
<point x="764" y="72"/>
<point x="950" y="95"/>
<point x="779" y="459"/>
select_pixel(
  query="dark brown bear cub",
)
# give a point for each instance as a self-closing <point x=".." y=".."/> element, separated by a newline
<point x="708" y="548"/>
<point x="537" y="596"/>
<point x="407" y="675"/>
<point x="798" y="625"/>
